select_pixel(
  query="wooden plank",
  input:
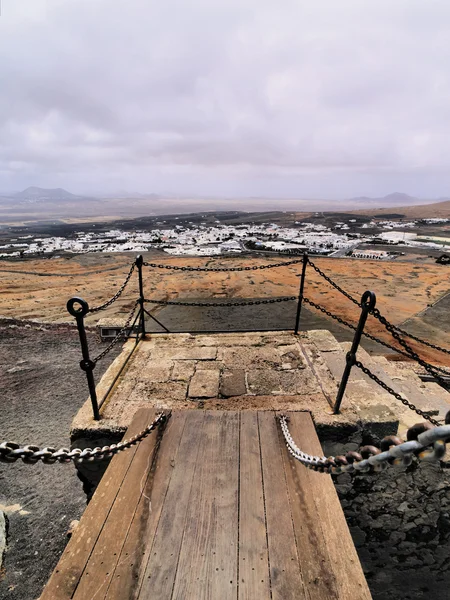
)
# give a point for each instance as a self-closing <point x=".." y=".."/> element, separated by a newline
<point x="349" y="576"/>
<point x="207" y="565"/>
<point x="315" y="564"/>
<point x="285" y="575"/>
<point x="254" y="580"/>
<point x="100" y="566"/>
<point x="66" y="576"/>
<point x="128" y="575"/>
<point x="161" y="569"/>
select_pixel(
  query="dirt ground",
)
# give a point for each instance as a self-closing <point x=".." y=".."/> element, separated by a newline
<point x="39" y="289"/>
<point x="42" y="389"/>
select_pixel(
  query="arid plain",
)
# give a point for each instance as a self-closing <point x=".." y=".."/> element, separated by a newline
<point x="39" y="289"/>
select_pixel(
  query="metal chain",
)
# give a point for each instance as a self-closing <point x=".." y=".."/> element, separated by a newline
<point x="392" y="330"/>
<point x="224" y="269"/>
<point x="365" y="333"/>
<point x="124" y="331"/>
<point x="396" y="395"/>
<point x="332" y="283"/>
<point x="355" y="301"/>
<point x="426" y="442"/>
<point x="424" y="342"/>
<point x="117" y="294"/>
<point x="220" y="304"/>
<point x="11" y="452"/>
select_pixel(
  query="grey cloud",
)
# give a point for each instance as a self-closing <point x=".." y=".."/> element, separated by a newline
<point x="290" y="98"/>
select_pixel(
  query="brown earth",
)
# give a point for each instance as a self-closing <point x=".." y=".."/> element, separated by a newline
<point x="439" y="210"/>
<point x="39" y="289"/>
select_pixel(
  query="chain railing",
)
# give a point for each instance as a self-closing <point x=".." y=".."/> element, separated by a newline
<point x="220" y="304"/>
<point x="117" y="294"/>
<point x="355" y="301"/>
<point x="11" y="451"/>
<point x="367" y="306"/>
<point x="423" y="441"/>
<point x="223" y="269"/>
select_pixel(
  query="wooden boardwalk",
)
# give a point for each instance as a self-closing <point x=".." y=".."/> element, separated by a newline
<point x="212" y="508"/>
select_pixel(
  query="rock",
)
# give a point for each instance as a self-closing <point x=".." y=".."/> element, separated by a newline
<point x="73" y="525"/>
<point x="233" y="383"/>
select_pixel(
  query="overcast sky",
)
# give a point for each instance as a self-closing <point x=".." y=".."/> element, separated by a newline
<point x="288" y="98"/>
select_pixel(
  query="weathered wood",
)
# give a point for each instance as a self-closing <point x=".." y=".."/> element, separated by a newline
<point x="317" y="572"/>
<point x="254" y="580"/>
<point x="207" y="566"/>
<point x="129" y="572"/>
<point x="161" y="569"/>
<point x="285" y="576"/>
<point x="215" y="508"/>
<point x="66" y="576"/>
<point x="101" y="563"/>
<point x="343" y="559"/>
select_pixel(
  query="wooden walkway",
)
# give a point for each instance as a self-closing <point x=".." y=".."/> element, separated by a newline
<point x="213" y="508"/>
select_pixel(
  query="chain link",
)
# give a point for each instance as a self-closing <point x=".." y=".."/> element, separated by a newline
<point x="392" y="330"/>
<point x="424" y="342"/>
<point x="424" y="441"/>
<point x="355" y="301"/>
<point x="334" y="284"/>
<point x="220" y="304"/>
<point x="11" y="452"/>
<point x="224" y="269"/>
<point x="117" y="294"/>
<point x="365" y="333"/>
<point x="124" y="332"/>
<point x="396" y="395"/>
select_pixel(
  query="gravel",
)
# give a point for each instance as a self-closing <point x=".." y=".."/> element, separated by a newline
<point x="43" y="387"/>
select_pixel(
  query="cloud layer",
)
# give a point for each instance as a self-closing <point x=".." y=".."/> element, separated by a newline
<point x="244" y="97"/>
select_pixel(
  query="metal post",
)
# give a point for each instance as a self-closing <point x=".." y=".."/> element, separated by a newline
<point x="139" y="261"/>
<point x="300" y="294"/>
<point x="86" y="363"/>
<point x="368" y="301"/>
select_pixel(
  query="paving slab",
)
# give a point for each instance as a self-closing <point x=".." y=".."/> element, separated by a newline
<point x="204" y="384"/>
<point x="232" y="383"/>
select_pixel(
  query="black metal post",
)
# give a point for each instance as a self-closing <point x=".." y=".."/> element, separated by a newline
<point x="86" y="363"/>
<point x="300" y="294"/>
<point x="139" y="261"/>
<point x="368" y="301"/>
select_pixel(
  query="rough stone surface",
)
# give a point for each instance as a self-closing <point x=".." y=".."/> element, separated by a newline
<point x="2" y="537"/>
<point x="400" y="522"/>
<point x="232" y="383"/>
<point x="183" y="370"/>
<point x="200" y="353"/>
<point x="204" y="384"/>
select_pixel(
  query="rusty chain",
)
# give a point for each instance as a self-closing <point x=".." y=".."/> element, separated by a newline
<point x="117" y="294"/>
<point x="366" y="334"/>
<point x="396" y="395"/>
<point x="223" y="269"/>
<point x="424" y="441"/>
<point x="395" y="334"/>
<point x="122" y="333"/>
<point x="220" y="304"/>
<point x="357" y="303"/>
<point x="10" y="452"/>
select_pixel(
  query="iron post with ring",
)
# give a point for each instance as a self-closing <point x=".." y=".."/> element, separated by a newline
<point x="86" y="364"/>
<point x="368" y="301"/>
<point x="139" y="263"/>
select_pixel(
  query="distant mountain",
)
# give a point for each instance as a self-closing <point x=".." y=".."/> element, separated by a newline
<point x="395" y="199"/>
<point x="439" y="210"/>
<point x="37" y="194"/>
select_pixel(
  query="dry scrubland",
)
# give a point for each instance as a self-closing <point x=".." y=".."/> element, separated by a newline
<point x="39" y="289"/>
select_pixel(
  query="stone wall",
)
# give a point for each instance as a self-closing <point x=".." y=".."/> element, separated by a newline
<point x="400" y="522"/>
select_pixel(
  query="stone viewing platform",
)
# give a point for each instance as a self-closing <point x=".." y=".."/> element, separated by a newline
<point x="258" y="370"/>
